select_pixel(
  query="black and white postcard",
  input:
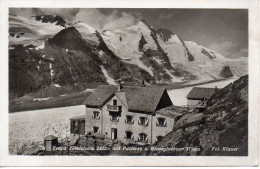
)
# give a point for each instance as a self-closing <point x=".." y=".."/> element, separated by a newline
<point x="173" y="84"/>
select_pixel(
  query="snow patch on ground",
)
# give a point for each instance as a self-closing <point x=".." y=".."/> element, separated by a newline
<point x="159" y="61"/>
<point x="89" y="90"/>
<point x="56" y="85"/>
<point x="67" y="50"/>
<point x="174" y="78"/>
<point x="41" y="99"/>
<point x="139" y="63"/>
<point x="41" y="46"/>
<point x="51" y="70"/>
<point x="108" y="78"/>
<point x="101" y="53"/>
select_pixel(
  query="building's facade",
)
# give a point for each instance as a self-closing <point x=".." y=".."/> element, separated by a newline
<point x="129" y="114"/>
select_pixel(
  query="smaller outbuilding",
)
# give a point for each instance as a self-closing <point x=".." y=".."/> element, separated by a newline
<point x="49" y="142"/>
<point x="77" y="125"/>
<point x="198" y="96"/>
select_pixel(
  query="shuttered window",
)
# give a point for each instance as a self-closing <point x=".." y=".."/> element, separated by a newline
<point x="161" y="122"/>
<point x="129" y="119"/>
<point x="95" y="129"/>
<point x="129" y="135"/>
<point x="96" y="115"/>
<point x="159" y="138"/>
<point x="143" y="137"/>
<point x="143" y="121"/>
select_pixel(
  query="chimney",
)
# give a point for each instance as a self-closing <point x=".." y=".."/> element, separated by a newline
<point x="143" y="83"/>
<point x="120" y="85"/>
<point x="216" y="89"/>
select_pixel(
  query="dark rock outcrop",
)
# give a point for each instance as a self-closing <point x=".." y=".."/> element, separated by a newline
<point x="164" y="34"/>
<point x="226" y="72"/>
<point x="51" y="19"/>
<point x="69" y="38"/>
<point x="207" y="53"/>
<point x="223" y="125"/>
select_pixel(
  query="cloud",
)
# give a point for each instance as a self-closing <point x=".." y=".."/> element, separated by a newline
<point x="225" y="48"/>
<point x="229" y="49"/>
<point x="24" y="12"/>
<point x="240" y="53"/>
<point x="91" y="16"/>
<point x="98" y="20"/>
<point x="66" y="13"/>
<point x="166" y="16"/>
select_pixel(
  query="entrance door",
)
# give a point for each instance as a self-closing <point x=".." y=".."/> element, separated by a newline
<point x="82" y="127"/>
<point x="113" y="133"/>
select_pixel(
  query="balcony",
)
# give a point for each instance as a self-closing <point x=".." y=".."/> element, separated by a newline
<point x="113" y="108"/>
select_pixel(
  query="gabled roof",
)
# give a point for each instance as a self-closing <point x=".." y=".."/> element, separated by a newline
<point x="143" y="99"/>
<point x="100" y="95"/>
<point x="82" y="117"/>
<point x="121" y="96"/>
<point x="200" y="93"/>
<point x="50" y="137"/>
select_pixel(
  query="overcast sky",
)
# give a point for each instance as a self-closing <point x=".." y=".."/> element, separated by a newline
<point x="223" y="30"/>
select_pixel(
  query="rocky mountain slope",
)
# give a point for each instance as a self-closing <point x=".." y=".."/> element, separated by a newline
<point x="221" y="130"/>
<point x="47" y="51"/>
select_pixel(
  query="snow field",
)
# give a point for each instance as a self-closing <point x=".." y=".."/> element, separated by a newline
<point x="30" y="127"/>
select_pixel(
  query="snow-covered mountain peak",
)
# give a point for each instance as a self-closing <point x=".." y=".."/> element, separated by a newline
<point x="132" y="53"/>
<point x="88" y="28"/>
<point x="27" y="30"/>
<point x="87" y="32"/>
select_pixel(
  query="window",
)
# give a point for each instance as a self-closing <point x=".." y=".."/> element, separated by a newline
<point x="161" y="122"/>
<point x="96" y="115"/>
<point x="159" y="138"/>
<point x="143" y="121"/>
<point x="142" y="137"/>
<point x="95" y="130"/>
<point x="129" y="135"/>
<point x="129" y="119"/>
<point x="75" y="126"/>
<point x="114" y="102"/>
<point x="114" y="116"/>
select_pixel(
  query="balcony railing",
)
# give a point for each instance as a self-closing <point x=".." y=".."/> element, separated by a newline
<point x="113" y="108"/>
